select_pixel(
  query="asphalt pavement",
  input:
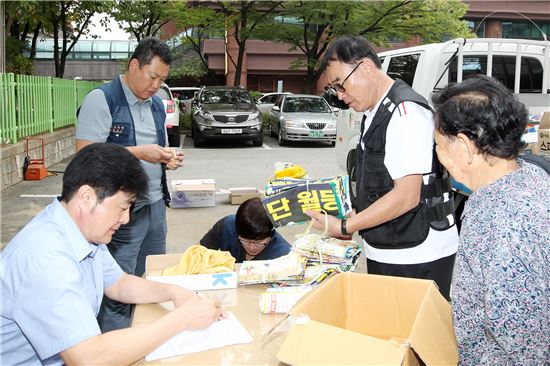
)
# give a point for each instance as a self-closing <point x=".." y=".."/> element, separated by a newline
<point x="231" y="164"/>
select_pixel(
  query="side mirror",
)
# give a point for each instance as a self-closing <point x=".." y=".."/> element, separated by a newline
<point x="276" y="108"/>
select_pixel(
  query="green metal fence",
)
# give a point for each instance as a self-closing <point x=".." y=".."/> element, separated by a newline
<point x="31" y="105"/>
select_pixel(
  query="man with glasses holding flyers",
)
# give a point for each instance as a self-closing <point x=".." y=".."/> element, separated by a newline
<point x="404" y="208"/>
<point x="248" y="235"/>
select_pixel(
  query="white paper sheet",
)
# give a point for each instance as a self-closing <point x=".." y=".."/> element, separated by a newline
<point x="220" y="334"/>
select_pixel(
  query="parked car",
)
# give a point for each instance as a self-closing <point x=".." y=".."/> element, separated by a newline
<point x="222" y="112"/>
<point x="185" y="95"/>
<point x="172" y="121"/>
<point x="267" y="101"/>
<point x="301" y="117"/>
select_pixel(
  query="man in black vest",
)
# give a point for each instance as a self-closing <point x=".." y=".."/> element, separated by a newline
<point x="405" y="212"/>
<point x="127" y="112"/>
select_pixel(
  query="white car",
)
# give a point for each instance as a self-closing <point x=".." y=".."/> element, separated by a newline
<point x="185" y="95"/>
<point x="172" y="122"/>
<point x="267" y="101"/>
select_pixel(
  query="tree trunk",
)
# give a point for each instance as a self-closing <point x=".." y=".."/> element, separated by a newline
<point x="239" y="66"/>
<point x="55" y="26"/>
<point x="34" y="39"/>
<point x="311" y="81"/>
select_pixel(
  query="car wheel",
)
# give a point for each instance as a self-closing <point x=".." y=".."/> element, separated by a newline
<point x="258" y="142"/>
<point x="333" y="143"/>
<point x="271" y="133"/>
<point x="280" y="138"/>
<point x="197" y="140"/>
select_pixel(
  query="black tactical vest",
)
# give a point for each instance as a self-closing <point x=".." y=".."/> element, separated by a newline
<point x="374" y="181"/>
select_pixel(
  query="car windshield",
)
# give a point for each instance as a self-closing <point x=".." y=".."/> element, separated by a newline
<point x="225" y="96"/>
<point x="300" y="104"/>
<point x="186" y="94"/>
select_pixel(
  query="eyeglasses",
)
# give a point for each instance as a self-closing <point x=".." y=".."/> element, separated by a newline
<point x="339" y="87"/>
<point x="258" y="243"/>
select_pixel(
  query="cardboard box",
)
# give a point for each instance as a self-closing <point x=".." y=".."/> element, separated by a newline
<point x="368" y="319"/>
<point x="154" y="264"/>
<point x="544" y="135"/>
<point x="241" y="194"/>
<point x="193" y="193"/>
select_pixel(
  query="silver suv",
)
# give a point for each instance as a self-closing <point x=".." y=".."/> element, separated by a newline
<point x="221" y="112"/>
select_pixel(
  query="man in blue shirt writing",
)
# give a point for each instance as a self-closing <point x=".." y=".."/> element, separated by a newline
<point x="55" y="271"/>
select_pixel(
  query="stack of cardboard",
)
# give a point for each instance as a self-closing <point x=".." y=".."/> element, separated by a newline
<point x="193" y="193"/>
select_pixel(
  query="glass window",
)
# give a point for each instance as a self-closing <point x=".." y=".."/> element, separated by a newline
<point x="119" y="55"/>
<point x="44" y="45"/>
<point x="473" y="25"/>
<point x="225" y="96"/>
<point x="403" y="67"/>
<point x="133" y="46"/>
<point x="523" y="29"/>
<point x="301" y="104"/>
<point x="269" y="98"/>
<point x="120" y="46"/>
<point x="85" y="46"/>
<point x="44" y="55"/>
<point x="102" y="55"/>
<point x="83" y="55"/>
<point x="503" y="70"/>
<point x="102" y="46"/>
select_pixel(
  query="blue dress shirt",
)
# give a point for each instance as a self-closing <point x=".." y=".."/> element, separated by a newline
<point x="52" y="281"/>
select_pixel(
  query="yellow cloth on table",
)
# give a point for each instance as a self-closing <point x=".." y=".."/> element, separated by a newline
<point x="198" y="259"/>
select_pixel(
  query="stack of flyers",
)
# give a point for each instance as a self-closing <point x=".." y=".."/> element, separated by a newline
<point x="287" y="199"/>
<point x="286" y="268"/>
<point x="281" y="299"/>
<point x="314" y="274"/>
<point x="323" y="250"/>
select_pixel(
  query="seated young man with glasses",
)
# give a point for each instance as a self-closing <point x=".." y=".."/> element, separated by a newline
<point x="248" y="235"/>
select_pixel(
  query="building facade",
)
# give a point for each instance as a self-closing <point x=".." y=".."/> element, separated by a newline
<point x="267" y="64"/>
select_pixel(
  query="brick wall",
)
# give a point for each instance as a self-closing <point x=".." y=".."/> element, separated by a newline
<point x="57" y="146"/>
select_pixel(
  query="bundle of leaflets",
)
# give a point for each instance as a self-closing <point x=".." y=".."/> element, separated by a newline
<point x="281" y="299"/>
<point x="314" y="274"/>
<point x="288" y="199"/>
<point x="319" y="249"/>
<point x="286" y="268"/>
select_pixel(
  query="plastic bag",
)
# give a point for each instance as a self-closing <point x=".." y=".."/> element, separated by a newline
<point x="289" y="170"/>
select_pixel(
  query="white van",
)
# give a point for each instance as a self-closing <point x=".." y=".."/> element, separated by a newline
<point x="186" y="94"/>
<point x="522" y="65"/>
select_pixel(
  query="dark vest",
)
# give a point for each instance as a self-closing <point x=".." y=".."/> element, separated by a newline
<point x="374" y="181"/>
<point x="276" y="248"/>
<point x="122" y="127"/>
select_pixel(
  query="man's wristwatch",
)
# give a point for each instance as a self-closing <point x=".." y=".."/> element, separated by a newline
<point x="343" y="228"/>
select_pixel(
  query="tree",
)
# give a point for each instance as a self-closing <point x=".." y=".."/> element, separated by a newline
<point x="242" y="18"/>
<point x="22" y="19"/>
<point x="68" y="21"/>
<point x="198" y="24"/>
<point x="315" y="24"/>
<point x="141" y="18"/>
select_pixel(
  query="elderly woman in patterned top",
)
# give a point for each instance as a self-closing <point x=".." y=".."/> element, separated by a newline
<point x="501" y="281"/>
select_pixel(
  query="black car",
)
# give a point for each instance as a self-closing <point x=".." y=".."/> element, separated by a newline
<point x="222" y="112"/>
